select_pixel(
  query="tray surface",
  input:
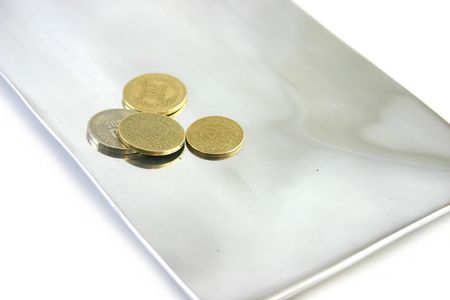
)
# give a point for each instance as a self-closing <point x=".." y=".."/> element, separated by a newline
<point x="337" y="158"/>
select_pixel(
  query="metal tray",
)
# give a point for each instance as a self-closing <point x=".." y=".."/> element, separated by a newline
<point x="339" y="159"/>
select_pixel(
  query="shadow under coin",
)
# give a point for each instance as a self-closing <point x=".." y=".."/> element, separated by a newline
<point x="154" y="162"/>
<point x="213" y="157"/>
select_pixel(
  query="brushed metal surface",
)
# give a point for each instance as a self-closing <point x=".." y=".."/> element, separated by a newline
<point x="338" y="161"/>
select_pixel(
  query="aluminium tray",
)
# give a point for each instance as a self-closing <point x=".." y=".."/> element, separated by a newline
<point x="339" y="159"/>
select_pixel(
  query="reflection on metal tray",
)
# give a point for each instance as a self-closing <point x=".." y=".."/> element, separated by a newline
<point x="339" y="159"/>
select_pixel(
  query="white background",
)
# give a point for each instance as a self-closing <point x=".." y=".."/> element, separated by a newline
<point x="60" y="240"/>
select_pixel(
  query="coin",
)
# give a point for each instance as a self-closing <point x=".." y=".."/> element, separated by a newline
<point x="156" y="93"/>
<point x="151" y="134"/>
<point x="102" y="132"/>
<point x="214" y="137"/>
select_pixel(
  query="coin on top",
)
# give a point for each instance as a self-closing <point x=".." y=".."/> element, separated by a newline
<point x="156" y="93"/>
<point x="215" y="137"/>
<point x="102" y="132"/>
<point x="151" y="134"/>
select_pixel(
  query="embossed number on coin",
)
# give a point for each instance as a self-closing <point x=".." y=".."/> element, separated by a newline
<point x="102" y="132"/>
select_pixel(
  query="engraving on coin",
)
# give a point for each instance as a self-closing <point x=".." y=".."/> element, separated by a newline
<point x="215" y="137"/>
<point x="151" y="134"/>
<point x="156" y="93"/>
<point x="102" y="132"/>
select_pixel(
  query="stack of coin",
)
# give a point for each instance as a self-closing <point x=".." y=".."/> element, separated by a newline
<point x="145" y="133"/>
<point x="155" y="93"/>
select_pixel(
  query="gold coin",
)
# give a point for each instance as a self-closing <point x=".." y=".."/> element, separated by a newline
<point x="102" y="132"/>
<point x="156" y="93"/>
<point x="151" y="134"/>
<point x="215" y="137"/>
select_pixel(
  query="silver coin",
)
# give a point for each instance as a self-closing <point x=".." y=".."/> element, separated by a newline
<point x="102" y="132"/>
